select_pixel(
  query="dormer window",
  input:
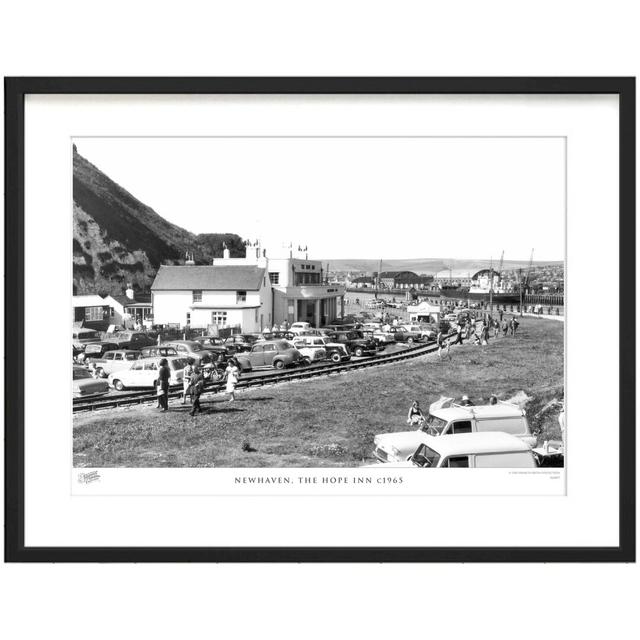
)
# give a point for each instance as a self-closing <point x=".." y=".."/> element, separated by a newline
<point x="241" y="296"/>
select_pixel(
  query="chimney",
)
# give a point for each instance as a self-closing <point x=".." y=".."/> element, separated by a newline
<point x="129" y="292"/>
<point x="226" y="254"/>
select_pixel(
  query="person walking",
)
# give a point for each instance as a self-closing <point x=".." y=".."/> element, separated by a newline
<point x="496" y="328"/>
<point x="505" y="327"/>
<point x="163" y="384"/>
<point x="197" y="386"/>
<point x="515" y="325"/>
<point x="187" y="373"/>
<point x="232" y="373"/>
<point x="459" y="330"/>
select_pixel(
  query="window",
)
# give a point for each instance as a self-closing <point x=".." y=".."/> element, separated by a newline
<point x="94" y="313"/>
<point x="130" y="356"/>
<point x="197" y="295"/>
<point x="457" y="462"/>
<point x="150" y="366"/>
<point x="138" y="366"/>
<point x="269" y="347"/>
<point x="119" y="356"/>
<point x="274" y="276"/>
<point x="257" y="349"/>
<point x="461" y="427"/>
<point x="219" y="318"/>
<point x="241" y="296"/>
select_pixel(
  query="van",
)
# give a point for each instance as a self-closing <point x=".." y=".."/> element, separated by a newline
<point x="456" y="420"/>
<point x="473" y="451"/>
<point x="82" y="337"/>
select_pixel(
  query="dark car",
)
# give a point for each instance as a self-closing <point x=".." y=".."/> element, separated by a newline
<point x="403" y="335"/>
<point x="214" y="341"/>
<point x="96" y="350"/>
<point x="279" y="335"/>
<point x="242" y="341"/>
<point x="192" y="350"/>
<point x="135" y="340"/>
<point x="355" y="342"/>
<point x="273" y="353"/>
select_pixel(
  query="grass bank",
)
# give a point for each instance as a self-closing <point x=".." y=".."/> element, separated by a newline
<point x="330" y="421"/>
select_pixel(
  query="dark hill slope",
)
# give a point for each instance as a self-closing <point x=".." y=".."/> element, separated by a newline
<point x="118" y="239"/>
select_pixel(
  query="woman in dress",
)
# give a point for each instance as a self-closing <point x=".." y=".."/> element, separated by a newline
<point x="415" y="417"/>
<point x="232" y="373"/>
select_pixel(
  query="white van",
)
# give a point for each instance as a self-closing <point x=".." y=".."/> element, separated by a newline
<point x="473" y="451"/>
<point x="455" y="420"/>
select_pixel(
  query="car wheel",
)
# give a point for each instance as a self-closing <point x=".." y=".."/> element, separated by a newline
<point x="409" y="340"/>
<point x="279" y="364"/>
<point x="306" y="361"/>
<point x="335" y="357"/>
<point x="358" y="352"/>
<point x="118" y="385"/>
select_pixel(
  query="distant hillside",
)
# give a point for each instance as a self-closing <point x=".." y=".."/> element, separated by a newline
<point x="118" y="239"/>
<point x="427" y="265"/>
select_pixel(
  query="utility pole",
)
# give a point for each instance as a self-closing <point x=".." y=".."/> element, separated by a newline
<point x="491" y="287"/>
<point x="520" y="279"/>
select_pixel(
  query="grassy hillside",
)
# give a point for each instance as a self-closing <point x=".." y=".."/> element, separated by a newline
<point x="118" y="239"/>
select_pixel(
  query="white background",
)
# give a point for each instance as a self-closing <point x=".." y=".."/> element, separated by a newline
<point x="363" y="38"/>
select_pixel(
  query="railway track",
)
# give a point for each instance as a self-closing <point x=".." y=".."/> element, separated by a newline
<point x="141" y="397"/>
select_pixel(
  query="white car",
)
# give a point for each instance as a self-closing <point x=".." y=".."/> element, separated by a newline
<point x="425" y="333"/>
<point x="311" y="348"/>
<point x="298" y="327"/>
<point x="472" y="451"/>
<point x="144" y="373"/>
<point x="456" y="420"/>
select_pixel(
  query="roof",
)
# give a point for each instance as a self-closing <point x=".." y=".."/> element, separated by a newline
<point x="208" y="278"/>
<point x="88" y="301"/>
<point x="483" y="411"/>
<point x="464" y="443"/>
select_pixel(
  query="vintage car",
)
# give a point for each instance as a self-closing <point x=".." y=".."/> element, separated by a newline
<point x="402" y="335"/>
<point x="242" y="341"/>
<point x="425" y="331"/>
<point x="95" y="351"/>
<point x="194" y="351"/>
<point x="335" y="351"/>
<point x="311" y="348"/>
<point x="273" y="353"/>
<point x="85" y="385"/>
<point x="279" y="335"/>
<point x="114" y="361"/>
<point x="132" y="339"/>
<point x="454" y="420"/>
<point x="80" y="338"/>
<point x="158" y="350"/>
<point x="355" y="341"/>
<point x="297" y="327"/>
<point x="144" y="373"/>
<point x="491" y="450"/>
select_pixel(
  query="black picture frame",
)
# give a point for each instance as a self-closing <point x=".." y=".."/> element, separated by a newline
<point x="15" y="91"/>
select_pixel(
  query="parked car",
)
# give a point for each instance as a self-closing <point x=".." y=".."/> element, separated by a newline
<point x="281" y="335"/>
<point x="382" y="338"/>
<point x="473" y="450"/>
<point x="192" y="350"/>
<point x="296" y="327"/>
<point x="96" y="350"/>
<point x="310" y="351"/>
<point x="215" y="341"/>
<point x="273" y="353"/>
<point x="80" y="338"/>
<point x="158" y="350"/>
<point x="426" y="334"/>
<point x="335" y="351"/>
<point x="132" y="339"/>
<point x="355" y="342"/>
<point x="402" y="335"/>
<point x="144" y="373"/>
<point x="85" y="385"/>
<point x="241" y="341"/>
<point x="115" y="361"/>
<point x="455" y="420"/>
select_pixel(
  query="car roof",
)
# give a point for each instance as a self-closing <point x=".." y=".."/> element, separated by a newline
<point x="124" y="351"/>
<point x="482" y="412"/>
<point x="468" y="443"/>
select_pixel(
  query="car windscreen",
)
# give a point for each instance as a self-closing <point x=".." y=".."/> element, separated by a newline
<point x="425" y="457"/>
<point x="434" y="425"/>
<point x="196" y="346"/>
<point x="131" y="356"/>
<point x="178" y="363"/>
<point x="81" y="374"/>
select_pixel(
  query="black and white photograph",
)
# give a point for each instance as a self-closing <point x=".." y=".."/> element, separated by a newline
<point x="319" y="301"/>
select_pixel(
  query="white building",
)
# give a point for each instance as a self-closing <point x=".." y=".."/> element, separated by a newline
<point x="252" y="292"/>
<point x="424" y="312"/>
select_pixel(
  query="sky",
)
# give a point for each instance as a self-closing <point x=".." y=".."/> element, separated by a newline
<point x="364" y="198"/>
